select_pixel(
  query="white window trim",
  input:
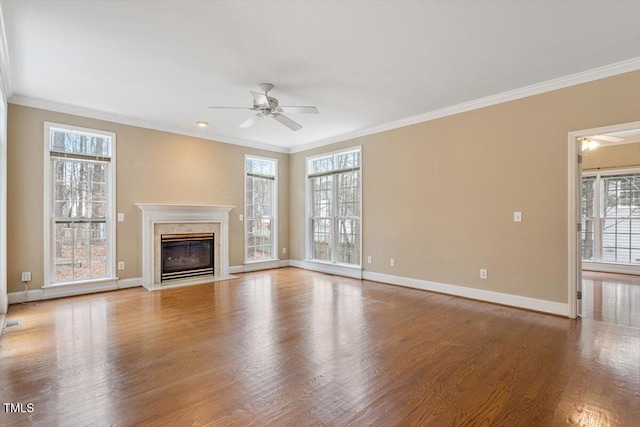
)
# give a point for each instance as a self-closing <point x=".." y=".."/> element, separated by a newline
<point x="48" y="213"/>
<point x="274" y="241"/>
<point x="603" y="266"/>
<point x="308" y="208"/>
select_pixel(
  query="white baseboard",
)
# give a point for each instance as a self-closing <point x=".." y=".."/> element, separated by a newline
<point x="130" y="283"/>
<point x="268" y="265"/>
<point x="339" y="270"/>
<point x="72" y="290"/>
<point x="552" y="307"/>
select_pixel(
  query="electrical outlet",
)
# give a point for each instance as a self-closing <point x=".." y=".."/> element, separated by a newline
<point x="392" y="262"/>
<point x="483" y="273"/>
<point x="26" y="276"/>
<point x="369" y="259"/>
<point x="284" y="251"/>
<point x="120" y="265"/>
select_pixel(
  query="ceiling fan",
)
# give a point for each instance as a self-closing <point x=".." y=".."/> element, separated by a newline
<point x="268" y="106"/>
<point x="592" y="142"/>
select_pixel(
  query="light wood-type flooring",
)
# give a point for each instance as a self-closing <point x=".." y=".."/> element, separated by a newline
<point x="290" y="347"/>
<point x="611" y="298"/>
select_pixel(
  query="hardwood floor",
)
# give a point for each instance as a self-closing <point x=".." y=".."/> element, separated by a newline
<point x="611" y="298"/>
<point x="290" y="347"/>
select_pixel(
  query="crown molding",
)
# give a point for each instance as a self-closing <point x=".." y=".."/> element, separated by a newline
<point x="109" y="117"/>
<point x="5" y="66"/>
<point x="617" y="68"/>
<point x="629" y="65"/>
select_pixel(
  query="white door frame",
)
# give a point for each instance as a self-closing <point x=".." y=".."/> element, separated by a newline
<point x="574" y="204"/>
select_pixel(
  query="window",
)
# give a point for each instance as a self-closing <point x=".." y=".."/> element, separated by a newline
<point x="334" y="214"/>
<point x="80" y="183"/>
<point x="260" y="204"/>
<point x="611" y="218"/>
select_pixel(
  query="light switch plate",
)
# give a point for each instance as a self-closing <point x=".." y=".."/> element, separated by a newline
<point x="120" y="216"/>
<point x="517" y="217"/>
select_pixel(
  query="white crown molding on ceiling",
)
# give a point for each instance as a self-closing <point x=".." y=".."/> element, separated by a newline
<point x="109" y="117"/>
<point x="617" y="68"/>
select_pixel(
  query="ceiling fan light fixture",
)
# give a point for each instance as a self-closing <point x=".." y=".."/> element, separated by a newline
<point x="589" y="144"/>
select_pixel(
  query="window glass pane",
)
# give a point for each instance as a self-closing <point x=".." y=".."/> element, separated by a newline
<point x="98" y="210"/>
<point x="73" y="142"/>
<point x="349" y="241"/>
<point x="322" y="196"/>
<point x="261" y="166"/>
<point x="322" y="164"/>
<point x="347" y="160"/>
<point x="99" y="192"/>
<point x="259" y="239"/>
<point x="322" y="239"/>
<point x="98" y="266"/>
<point x="63" y="271"/>
<point x="349" y="194"/>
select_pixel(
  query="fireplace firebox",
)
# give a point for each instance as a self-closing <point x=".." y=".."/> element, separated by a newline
<point x="186" y="255"/>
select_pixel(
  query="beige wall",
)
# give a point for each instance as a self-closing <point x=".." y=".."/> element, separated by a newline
<point x="439" y="196"/>
<point x="152" y="166"/>
<point x="612" y="156"/>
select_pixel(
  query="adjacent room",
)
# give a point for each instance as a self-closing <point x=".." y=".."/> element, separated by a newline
<point x="391" y="213"/>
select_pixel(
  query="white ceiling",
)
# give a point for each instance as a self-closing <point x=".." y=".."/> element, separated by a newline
<point x="363" y="64"/>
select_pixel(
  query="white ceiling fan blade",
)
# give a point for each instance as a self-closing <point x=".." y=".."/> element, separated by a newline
<point x="235" y="108"/>
<point x="307" y="110"/>
<point x="608" y="138"/>
<point x="251" y="121"/>
<point x="260" y="99"/>
<point x="286" y="121"/>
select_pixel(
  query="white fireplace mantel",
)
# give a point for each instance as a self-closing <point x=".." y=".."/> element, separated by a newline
<point x="159" y="213"/>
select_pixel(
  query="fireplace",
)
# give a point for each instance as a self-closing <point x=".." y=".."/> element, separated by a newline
<point x="186" y="255"/>
<point x="161" y="218"/>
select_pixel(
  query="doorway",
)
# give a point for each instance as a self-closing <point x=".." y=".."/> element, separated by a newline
<point x="604" y="205"/>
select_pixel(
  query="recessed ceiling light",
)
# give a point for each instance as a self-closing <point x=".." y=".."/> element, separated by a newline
<point x="202" y="123"/>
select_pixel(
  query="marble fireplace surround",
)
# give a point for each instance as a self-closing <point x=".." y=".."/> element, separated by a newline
<point x="158" y="218"/>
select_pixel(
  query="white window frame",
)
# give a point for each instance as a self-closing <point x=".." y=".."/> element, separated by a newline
<point x="110" y="211"/>
<point x="308" y="212"/>
<point x="598" y="264"/>
<point x="274" y="225"/>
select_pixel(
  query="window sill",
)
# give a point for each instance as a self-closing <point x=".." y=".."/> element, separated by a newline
<point x="80" y="282"/>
